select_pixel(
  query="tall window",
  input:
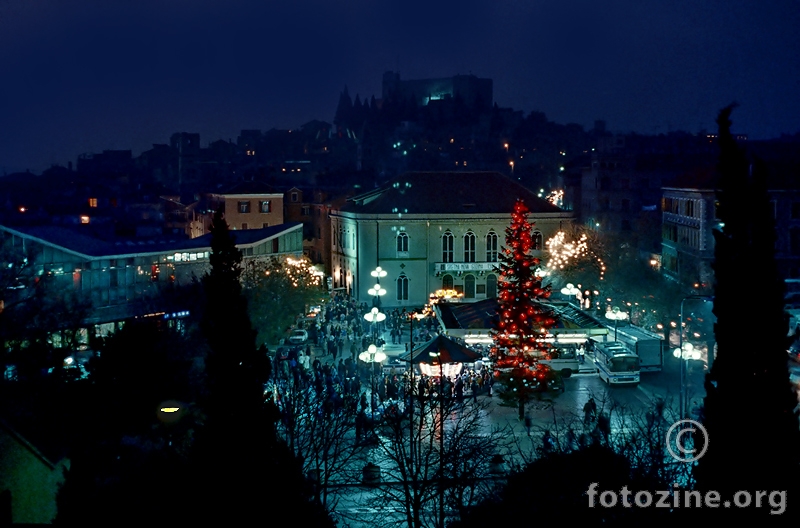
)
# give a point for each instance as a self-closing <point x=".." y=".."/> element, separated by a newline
<point x="447" y="282"/>
<point x="491" y="247"/>
<point x="491" y="286"/>
<point x="402" y="288"/>
<point x="469" y="247"/>
<point x="447" y="247"/>
<point x="264" y="206"/>
<point x="244" y="206"/>
<point x="536" y="238"/>
<point x="402" y="242"/>
<point x="469" y="286"/>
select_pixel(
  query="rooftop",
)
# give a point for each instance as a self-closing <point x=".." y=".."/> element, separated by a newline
<point x="448" y="193"/>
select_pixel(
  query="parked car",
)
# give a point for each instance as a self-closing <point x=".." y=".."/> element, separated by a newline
<point x="298" y="337"/>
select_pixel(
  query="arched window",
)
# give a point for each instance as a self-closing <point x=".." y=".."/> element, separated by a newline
<point x="491" y="247"/>
<point x="447" y="282"/>
<point x="536" y="239"/>
<point x="469" y="247"/>
<point x="469" y="286"/>
<point x="447" y="247"/>
<point x="402" y="288"/>
<point x="491" y="286"/>
<point x="402" y="242"/>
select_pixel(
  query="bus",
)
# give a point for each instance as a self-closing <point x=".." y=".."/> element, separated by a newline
<point x="615" y="364"/>
<point x="564" y="359"/>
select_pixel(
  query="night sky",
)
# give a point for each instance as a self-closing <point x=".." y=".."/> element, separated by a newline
<point x="87" y="75"/>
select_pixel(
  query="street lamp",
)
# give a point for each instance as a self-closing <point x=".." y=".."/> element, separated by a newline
<point x="411" y="387"/>
<point x="374" y="316"/>
<point x="372" y="355"/>
<point x="616" y="315"/>
<point x="437" y="357"/>
<point x="684" y="348"/>
<point x="685" y="353"/>
<point x="570" y="290"/>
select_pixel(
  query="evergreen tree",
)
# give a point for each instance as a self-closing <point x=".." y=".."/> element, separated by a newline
<point x="238" y="458"/>
<point x="748" y="413"/>
<point x="523" y="321"/>
<point x="232" y="364"/>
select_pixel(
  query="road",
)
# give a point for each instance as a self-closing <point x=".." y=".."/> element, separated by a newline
<point x="627" y="407"/>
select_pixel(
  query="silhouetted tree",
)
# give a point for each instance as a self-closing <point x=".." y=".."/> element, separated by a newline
<point x="749" y="410"/>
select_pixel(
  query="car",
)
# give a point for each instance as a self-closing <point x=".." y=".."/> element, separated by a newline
<point x="298" y="337"/>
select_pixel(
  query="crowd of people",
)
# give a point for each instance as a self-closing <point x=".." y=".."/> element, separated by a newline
<point x="328" y="363"/>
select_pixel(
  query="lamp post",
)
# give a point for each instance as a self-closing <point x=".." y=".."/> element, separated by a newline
<point x="437" y="357"/>
<point x="374" y="316"/>
<point x="570" y="290"/>
<point x="411" y="387"/>
<point x="680" y="351"/>
<point x="685" y="353"/>
<point x="372" y="355"/>
<point x="376" y="291"/>
<point x="616" y="315"/>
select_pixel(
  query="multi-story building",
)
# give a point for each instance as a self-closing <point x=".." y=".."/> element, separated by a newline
<point x="432" y="231"/>
<point x="247" y="205"/>
<point x="689" y="218"/>
<point x="687" y="239"/>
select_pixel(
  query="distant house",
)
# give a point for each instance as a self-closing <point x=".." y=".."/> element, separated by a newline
<point x="29" y="479"/>
<point x="247" y="205"/>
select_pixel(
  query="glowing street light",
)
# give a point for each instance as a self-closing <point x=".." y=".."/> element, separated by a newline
<point x="378" y="273"/>
<point x="616" y="315"/>
<point x="687" y="349"/>
<point x="376" y="291"/>
<point x="570" y="290"/>
<point x="687" y="352"/>
<point x="372" y="355"/>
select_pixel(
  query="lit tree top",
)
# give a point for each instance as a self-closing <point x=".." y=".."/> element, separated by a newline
<point x="523" y="320"/>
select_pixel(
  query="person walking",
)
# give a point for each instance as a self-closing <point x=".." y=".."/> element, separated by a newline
<point x="589" y="410"/>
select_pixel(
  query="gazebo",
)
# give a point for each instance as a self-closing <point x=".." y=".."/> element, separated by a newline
<point x="443" y="353"/>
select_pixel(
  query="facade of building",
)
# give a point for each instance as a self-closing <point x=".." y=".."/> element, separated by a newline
<point x="687" y="239"/>
<point x="248" y="205"/>
<point x="432" y="231"/>
<point x="689" y="219"/>
<point x="125" y="279"/>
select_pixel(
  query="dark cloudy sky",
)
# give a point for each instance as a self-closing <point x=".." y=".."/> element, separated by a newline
<point x="87" y="75"/>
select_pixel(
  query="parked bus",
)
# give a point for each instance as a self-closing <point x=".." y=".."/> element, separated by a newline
<point x="615" y="364"/>
<point x="564" y="360"/>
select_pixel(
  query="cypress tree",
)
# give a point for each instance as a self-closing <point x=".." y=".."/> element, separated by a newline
<point x="749" y="409"/>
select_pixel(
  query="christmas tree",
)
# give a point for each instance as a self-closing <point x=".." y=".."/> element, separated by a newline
<point x="519" y="336"/>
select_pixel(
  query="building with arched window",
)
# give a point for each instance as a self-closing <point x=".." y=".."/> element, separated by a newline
<point x="432" y="231"/>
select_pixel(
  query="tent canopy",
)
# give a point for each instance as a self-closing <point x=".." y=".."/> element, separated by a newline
<point x="450" y="352"/>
